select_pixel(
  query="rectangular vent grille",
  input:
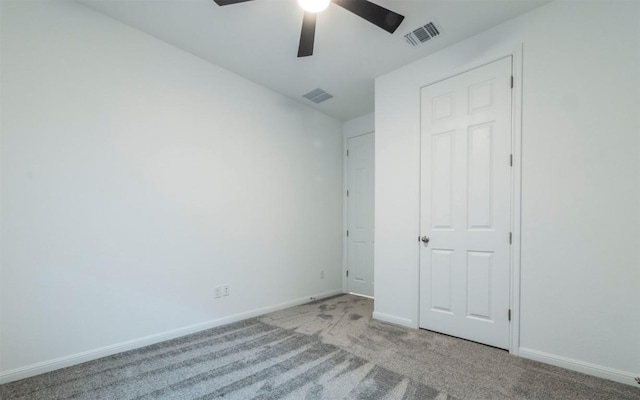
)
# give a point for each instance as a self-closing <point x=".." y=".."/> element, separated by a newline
<point x="423" y="34"/>
<point x="317" y="96"/>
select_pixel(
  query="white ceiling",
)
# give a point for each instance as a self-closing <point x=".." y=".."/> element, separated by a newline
<point x="259" y="40"/>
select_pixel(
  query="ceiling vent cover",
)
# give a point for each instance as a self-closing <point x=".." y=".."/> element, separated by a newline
<point x="423" y="34"/>
<point x="317" y="96"/>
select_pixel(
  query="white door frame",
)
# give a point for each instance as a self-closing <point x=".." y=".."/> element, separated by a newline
<point x="345" y="221"/>
<point x="516" y="189"/>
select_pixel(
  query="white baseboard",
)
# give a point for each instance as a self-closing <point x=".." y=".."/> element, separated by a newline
<point x="362" y="295"/>
<point x="580" y="366"/>
<point x="89" y="355"/>
<point x="394" y="320"/>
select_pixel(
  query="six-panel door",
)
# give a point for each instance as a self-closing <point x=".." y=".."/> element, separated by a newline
<point x="360" y="201"/>
<point x="465" y="204"/>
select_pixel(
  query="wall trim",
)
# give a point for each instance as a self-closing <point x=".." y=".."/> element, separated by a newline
<point x="579" y="366"/>
<point x="395" y="320"/>
<point x="89" y="355"/>
<point x="516" y="198"/>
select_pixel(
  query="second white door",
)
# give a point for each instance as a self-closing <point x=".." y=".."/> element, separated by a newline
<point x="465" y="205"/>
<point x="360" y="200"/>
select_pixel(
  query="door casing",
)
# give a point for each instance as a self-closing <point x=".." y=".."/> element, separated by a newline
<point x="362" y="129"/>
<point x="366" y="287"/>
<point x="516" y="187"/>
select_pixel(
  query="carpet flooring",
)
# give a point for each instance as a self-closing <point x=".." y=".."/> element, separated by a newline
<point x="329" y="349"/>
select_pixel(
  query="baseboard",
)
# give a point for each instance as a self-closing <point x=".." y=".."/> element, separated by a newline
<point x="580" y="366"/>
<point x="394" y="320"/>
<point x="362" y="295"/>
<point x="79" y="358"/>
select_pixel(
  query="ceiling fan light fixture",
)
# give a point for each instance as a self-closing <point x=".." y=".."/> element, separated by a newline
<point x="314" y="6"/>
<point x="379" y="16"/>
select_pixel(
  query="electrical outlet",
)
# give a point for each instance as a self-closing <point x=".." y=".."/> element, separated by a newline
<point x="217" y="292"/>
<point x="322" y="274"/>
<point x="226" y="290"/>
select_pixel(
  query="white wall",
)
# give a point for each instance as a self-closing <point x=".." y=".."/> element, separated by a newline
<point x="359" y="126"/>
<point x="135" y="178"/>
<point x="580" y="260"/>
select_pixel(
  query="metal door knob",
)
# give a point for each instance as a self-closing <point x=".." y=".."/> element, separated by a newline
<point x="425" y="239"/>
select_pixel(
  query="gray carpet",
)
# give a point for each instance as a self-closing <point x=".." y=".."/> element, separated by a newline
<point x="330" y="349"/>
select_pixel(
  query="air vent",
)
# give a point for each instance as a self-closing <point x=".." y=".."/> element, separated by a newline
<point x="317" y="96"/>
<point x="423" y="34"/>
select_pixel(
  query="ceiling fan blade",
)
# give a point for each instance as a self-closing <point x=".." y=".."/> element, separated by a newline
<point x="229" y="2"/>
<point x="307" y="36"/>
<point x="377" y="15"/>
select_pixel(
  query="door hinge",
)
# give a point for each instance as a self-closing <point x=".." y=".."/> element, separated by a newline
<point x="511" y="81"/>
<point x="347" y="153"/>
<point x="347" y="233"/>
<point x="509" y="314"/>
<point x="347" y="273"/>
<point x="347" y="193"/>
<point x="511" y="160"/>
<point x="510" y="237"/>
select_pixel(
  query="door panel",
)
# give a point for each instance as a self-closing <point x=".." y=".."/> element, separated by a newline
<point x="441" y="293"/>
<point x="442" y="158"/>
<point x="479" y="284"/>
<point x="480" y="173"/>
<point x="360" y="201"/>
<point x="465" y="204"/>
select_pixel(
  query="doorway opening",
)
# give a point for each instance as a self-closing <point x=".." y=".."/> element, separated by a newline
<point x="360" y="214"/>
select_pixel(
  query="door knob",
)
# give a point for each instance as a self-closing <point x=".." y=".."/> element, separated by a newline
<point x="425" y="239"/>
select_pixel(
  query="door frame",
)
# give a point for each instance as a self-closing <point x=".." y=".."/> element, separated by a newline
<point x="345" y="206"/>
<point x="516" y="187"/>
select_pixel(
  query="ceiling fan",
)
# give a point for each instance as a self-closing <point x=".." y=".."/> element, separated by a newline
<point x="377" y="15"/>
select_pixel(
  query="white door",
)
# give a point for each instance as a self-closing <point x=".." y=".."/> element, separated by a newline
<point x="360" y="178"/>
<point x="465" y="209"/>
